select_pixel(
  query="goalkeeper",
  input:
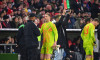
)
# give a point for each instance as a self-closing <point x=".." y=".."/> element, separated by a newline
<point x="89" y="38"/>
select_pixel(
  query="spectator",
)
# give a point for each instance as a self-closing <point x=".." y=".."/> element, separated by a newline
<point x="8" y="41"/>
<point x="78" y="24"/>
<point x="85" y="9"/>
<point x="10" y="13"/>
<point x="20" y="20"/>
<point x="9" y="6"/>
<point x="42" y="20"/>
<point x="48" y="8"/>
<point x="24" y="19"/>
<point x="89" y="14"/>
<point x="0" y="23"/>
<point x="15" y="12"/>
<point x="19" y="13"/>
<point x="15" y="22"/>
<point x="37" y="4"/>
<point x="95" y="9"/>
<point x="6" y="23"/>
<point x="1" y="15"/>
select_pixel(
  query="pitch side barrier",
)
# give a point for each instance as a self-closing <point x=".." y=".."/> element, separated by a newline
<point x="71" y="33"/>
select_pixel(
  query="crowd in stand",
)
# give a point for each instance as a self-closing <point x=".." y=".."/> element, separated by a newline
<point x="13" y="13"/>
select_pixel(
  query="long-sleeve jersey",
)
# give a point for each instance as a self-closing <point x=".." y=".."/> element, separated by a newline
<point x="50" y="34"/>
<point x="88" y="35"/>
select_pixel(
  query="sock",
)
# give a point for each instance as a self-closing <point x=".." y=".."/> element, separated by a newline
<point x="88" y="58"/>
<point x="91" y="58"/>
<point x="47" y="59"/>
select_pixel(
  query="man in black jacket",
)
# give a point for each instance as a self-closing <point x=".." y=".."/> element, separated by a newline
<point x="61" y="27"/>
<point x="30" y="33"/>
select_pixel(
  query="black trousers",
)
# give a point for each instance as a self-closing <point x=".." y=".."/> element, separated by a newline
<point x="29" y="53"/>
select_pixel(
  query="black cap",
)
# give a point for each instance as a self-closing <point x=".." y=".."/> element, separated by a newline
<point x="5" y="17"/>
<point x="32" y="15"/>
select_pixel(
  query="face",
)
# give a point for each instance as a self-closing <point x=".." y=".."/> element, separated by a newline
<point x="47" y="18"/>
<point x="9" y="5"/>
<point x="4" y="12"/>
<point x="96" y="23"/>
<point x="16" y="19"/>
<point x="84" y="5"/>
<point x="79" y="14"/>
<point x="33" y="18"/>
<point x="7" y="20"/>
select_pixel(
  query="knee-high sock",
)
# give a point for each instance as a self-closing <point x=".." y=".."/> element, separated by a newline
<point x="47" y="59"/>
<point x="87" y="58"/>
<point x="92" y="58"/>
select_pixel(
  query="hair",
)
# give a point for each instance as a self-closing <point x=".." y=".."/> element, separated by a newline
<point x="96" y="19"/>
<point x="48" y="14"/>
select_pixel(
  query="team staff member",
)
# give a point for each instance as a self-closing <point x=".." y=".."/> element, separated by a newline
<point x="89" y="38"/>
<point x="30" y="51"/>
<point x="50" y="36"/>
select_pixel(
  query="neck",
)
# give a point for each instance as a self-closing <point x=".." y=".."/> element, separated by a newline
<point x="48" y="21"/>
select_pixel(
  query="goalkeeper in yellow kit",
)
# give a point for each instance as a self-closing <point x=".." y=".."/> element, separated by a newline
<point x="50" y="37"/>
<point x="89" y="38"/>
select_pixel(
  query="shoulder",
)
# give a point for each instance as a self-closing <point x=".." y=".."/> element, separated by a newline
<point x="43" y="24"/>
<point x="52" y="24"/>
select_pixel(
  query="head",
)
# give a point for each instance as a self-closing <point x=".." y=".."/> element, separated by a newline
<point x="6" y="18"/>
<point x="45" y="2"/>
<point x="42" y="19"/>
<point x="47" y="17"/>
<point x="4" y="5"/>
<point x="14" y="11"/>
<point x="9" y="5"/>
<point x="57" y="18"/>
<point x="48" y="7"/>
<point x="95" y="22"/>
<point x="79" y="14"/>
<point x="37" y="21"/>
<point x="34" y="11"/>
<point x="16" y="19"/>
<point x="89" y="14"/>
<point x="96" y="1"/>
<point x="32" y="17"/>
